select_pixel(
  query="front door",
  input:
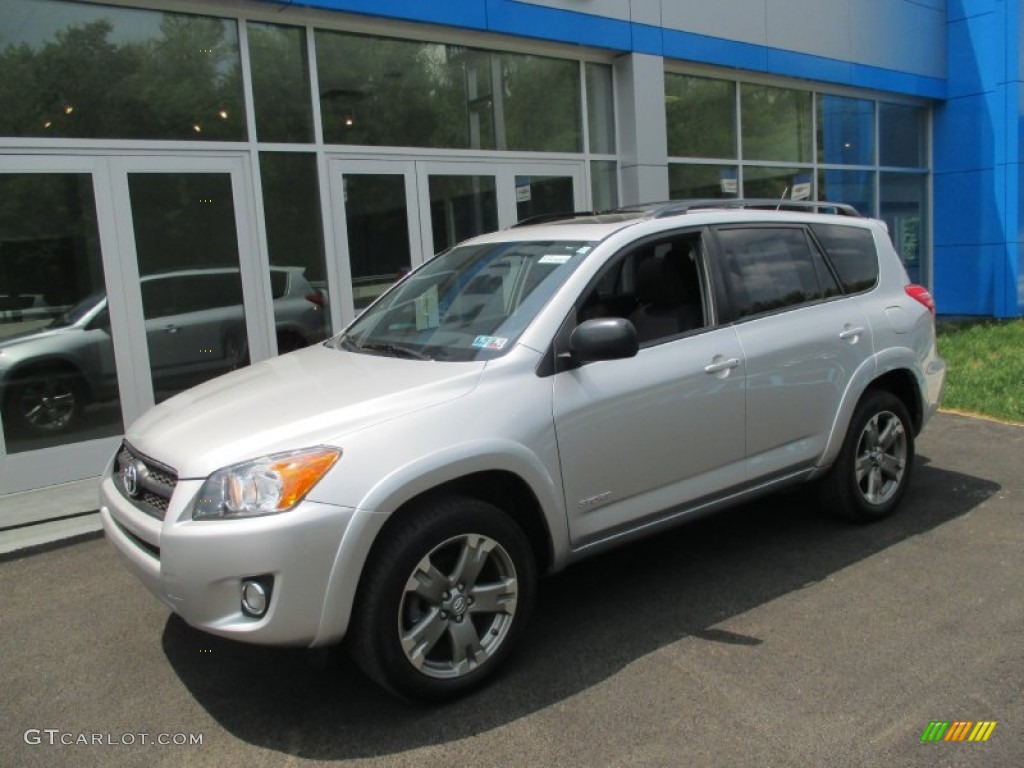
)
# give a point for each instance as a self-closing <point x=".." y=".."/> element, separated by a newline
<point x="643" y="437"/>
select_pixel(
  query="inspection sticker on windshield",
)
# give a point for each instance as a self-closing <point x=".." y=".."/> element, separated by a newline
<point x="490" y="342"/>
<point x="554" y="258"/>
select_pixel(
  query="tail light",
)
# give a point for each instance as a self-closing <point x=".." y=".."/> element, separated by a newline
<point x="315" y="298"/>
<point x="922" y="295"/>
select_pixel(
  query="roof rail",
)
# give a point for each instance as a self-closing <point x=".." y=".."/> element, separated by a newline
<point x="661" y="210"/>
<point x="544" y="218"/>
<point x="676" y="207"/>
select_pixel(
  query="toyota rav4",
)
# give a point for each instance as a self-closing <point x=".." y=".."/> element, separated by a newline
<point x="520" y="401"/>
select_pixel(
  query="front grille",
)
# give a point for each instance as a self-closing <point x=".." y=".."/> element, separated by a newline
<point x="153" y="482"/>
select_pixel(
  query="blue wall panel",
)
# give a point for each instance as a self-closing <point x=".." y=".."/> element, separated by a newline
<point x="967" y="277"/>
<point x="976" y="159"/>
<point x="536" y="21"/>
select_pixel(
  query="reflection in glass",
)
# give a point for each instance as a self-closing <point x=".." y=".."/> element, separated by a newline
<point x="857" y="188"/>
<point x="461" y="207"/>
<point x="777" y="183"/>
<point x="846" y="129"/>
<point x="280" y="82"/>
<point x="701" y="181"/>
<point x="187" y="248"/>
<point x="701" y="114"/>
<point x="376" y="216"/>
<point x="776" y="123"/>
<point x="541" y="195"/>
<point x="600" y="109"/>
<point x="902" y="136"/>
<point x="604" y="184"/>
<point x="93" y="71"/>
<point x="57" y="375"/>
<point x="382" y="92"/>
<point x="298" y="282"/>
<point x="903" y="207"/>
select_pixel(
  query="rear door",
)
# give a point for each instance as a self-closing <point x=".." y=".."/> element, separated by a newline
<point x="801" y="339"/>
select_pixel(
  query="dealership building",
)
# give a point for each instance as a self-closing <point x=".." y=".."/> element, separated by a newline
<point x="268" y="168"/>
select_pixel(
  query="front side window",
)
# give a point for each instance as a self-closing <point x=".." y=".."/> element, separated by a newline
<point x="469" y="303"/>
<point x="657" y="287"/>
<point x="768" y="268"/>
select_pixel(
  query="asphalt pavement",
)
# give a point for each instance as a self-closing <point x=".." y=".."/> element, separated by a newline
<point x="769" y="635"/>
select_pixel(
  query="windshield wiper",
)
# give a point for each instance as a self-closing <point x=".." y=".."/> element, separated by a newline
<point x="395" y="350"/>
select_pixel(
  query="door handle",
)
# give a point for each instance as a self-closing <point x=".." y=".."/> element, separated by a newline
<point x="171" y="328"/>
<point x="721" y="364"/>
<point x="851" y="333"/>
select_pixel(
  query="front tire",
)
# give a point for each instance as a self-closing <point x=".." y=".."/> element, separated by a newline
<point x="45" y="401"/>
<point x="443" y="600"/>
<point x="873" y="469"/>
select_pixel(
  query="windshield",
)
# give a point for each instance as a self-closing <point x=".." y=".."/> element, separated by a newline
<point x="78" y="311"/>
<point x="469" y="303"/>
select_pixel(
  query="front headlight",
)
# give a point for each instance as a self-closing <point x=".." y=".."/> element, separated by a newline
<point x="263" y="486"/>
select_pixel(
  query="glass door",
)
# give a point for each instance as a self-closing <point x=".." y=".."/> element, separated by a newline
<point x="61" y="372"/>
<point x="377" y="227"/>
<point x="390" y="215"/>
<point x="200" y="308"/>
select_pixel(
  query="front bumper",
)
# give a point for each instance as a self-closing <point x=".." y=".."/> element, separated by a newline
<point x="197" y="567"/>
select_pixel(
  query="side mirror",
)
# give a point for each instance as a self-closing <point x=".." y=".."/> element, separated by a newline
<point x="606" y="338"/>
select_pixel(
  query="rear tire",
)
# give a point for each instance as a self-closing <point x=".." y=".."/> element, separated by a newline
<point x="443" y="600"/>
<point x="874" y="466"/>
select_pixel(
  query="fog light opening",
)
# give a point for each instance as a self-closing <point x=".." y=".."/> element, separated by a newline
<point x="256" y="596"/>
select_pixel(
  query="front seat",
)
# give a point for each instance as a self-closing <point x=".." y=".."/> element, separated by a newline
<point x="667" y="290"/>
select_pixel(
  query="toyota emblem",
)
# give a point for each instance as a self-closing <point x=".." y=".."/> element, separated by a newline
<point x="130" y="478"/>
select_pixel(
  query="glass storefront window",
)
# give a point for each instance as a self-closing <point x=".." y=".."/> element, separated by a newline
<point x="600" y="109"/>
<point x="541" y="195"/>
<point x="903" y="134"/>
<point x="604" y="184"/>
<point x="701" y="114"/>
<point x="856" y="188"/>
<point x="775" y="123"/>
<point x="57" y="374"/>
<point x="99" y="72"/>
<point x="280" y="83"/>
<point x="777" y="183"/>
<point x="298" y="282"/>
<point x="542" y="104"/>
<point x="846" y="130"/>
<point x="702" y="181"/>
<point x="903" y="207"/>
<point x="383" y="92"/>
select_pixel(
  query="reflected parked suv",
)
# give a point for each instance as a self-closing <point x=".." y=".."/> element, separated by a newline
<point x="521" y="401"/>
<point x="195" y="328"/>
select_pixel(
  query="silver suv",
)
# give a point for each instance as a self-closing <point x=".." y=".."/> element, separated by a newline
<point x="523" y="400"/>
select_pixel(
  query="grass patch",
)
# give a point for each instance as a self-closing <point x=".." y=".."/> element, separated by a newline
<point x="985" y="362"/>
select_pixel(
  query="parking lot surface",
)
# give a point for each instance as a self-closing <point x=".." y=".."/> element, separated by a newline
<point x="769" y="635"/>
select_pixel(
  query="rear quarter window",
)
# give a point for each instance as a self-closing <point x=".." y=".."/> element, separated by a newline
<point x="852" y="253"/>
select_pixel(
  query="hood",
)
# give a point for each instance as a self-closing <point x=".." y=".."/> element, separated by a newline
<point x="311" y="397"/>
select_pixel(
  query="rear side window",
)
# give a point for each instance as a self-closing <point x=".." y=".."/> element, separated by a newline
<point x="852" y="252"/>
<point x="768" y="268"/>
